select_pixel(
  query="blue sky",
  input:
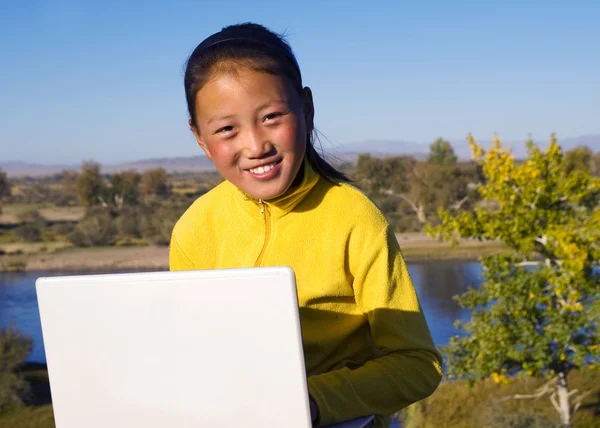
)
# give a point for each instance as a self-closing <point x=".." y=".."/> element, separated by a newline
<point x="102" y="80"/>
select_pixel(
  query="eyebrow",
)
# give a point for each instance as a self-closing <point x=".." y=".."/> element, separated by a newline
<point x="212" y="119"/>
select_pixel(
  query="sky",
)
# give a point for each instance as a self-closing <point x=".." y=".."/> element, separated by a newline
<point x="103" y="80"/>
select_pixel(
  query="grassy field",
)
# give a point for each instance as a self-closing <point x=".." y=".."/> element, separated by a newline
<point x="454" y="405"/>
<point x="457" y="405"/>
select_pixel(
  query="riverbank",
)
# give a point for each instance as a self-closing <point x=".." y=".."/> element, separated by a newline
<point x="415" y="247"/>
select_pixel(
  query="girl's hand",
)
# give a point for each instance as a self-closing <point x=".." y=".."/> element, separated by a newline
<point x="314" y="410"/>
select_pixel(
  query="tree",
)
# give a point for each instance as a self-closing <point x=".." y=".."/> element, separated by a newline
<point x="578" y="158"/>
<point x="154" y="183"/>
<point x="124" y="188"/>
<point x="595" y="165"/>
<point x="14" y="349"/>
<point x="420" y="187"/>
<point x="441" y="152"/>
<point x="69" y="182"/>
<point x="538" y="311"/>
<point x="89" y="184"/>
<point x="4" y="185"/>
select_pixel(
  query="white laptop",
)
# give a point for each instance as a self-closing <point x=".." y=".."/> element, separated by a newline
<point x="214" y="348"/>
<point x="219" y="348"/>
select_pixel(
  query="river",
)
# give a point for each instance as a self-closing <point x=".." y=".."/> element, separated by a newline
<point x="436" y="283"/>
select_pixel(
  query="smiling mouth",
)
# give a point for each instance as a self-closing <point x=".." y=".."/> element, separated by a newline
<point x="264" y="168"/>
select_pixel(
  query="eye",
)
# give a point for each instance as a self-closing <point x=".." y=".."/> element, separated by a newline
<point x="224" y="130"/>
<point x="272" y="116"/>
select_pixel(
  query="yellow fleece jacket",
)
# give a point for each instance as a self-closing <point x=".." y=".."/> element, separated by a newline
<point x="367" y="346"/>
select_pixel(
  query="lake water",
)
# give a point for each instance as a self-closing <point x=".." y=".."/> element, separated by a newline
<point x="436" y="282"/>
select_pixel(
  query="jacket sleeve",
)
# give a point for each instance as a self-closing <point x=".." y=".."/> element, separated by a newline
<point x="407" y="367"/>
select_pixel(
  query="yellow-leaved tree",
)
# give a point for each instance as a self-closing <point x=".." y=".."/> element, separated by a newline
<point x="537" y="312"/>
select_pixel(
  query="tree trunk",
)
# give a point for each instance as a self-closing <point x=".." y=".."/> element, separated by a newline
<point x="563" y="400"/>
<point x="421" y="215"/>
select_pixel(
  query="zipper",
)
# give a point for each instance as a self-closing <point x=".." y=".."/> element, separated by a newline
<point x="264" y="211"/>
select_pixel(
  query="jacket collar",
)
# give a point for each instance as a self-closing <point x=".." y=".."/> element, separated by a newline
<point x="283" y="204"/>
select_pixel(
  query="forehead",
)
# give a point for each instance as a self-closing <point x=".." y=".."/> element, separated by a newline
<point x="240" y="87"/>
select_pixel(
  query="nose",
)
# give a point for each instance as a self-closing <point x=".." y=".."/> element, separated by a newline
<point x="257" y="145"/>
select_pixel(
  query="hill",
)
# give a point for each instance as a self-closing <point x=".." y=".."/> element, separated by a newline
<point x="343" y="152"/>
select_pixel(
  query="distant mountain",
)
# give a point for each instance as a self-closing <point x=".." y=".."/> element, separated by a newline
<point x="179" y="164"/>
<point x="461" y="147"/>
<point x="171" y="165"/>
<point x="343" y="152"/>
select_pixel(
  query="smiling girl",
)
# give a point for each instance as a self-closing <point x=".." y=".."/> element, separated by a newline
<point x="367" y="346"/>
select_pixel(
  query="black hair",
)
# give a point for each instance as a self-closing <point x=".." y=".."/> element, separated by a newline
<point x="257" y="47"/>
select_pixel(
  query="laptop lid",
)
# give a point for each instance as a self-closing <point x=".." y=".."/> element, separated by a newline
<point x="216" y="348"/>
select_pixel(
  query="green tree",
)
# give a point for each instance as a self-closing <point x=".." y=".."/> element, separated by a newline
<point x="579" y="158"/>
<point x="538" y="311"/>
<point x="14" y="349"/>
<point x="90" y="185"/>
<point x="4" y="185"/>
<point x="124" y="188"/>
<point x="69" y="181"/>
<point x="441" y="152"/>
<point x="154" y="183"/>
<point x="400" y="183"/>
<point x="595" y="165"/>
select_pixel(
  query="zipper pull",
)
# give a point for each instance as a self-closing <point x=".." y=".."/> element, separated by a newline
<point x="262" y="206"/>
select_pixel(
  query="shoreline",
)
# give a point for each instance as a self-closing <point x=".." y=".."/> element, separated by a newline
<point x="416" y="247"/>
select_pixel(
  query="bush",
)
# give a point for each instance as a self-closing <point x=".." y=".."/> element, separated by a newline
<point x="128" y="223"/>
<point x="157" y="225"/>
<point x="29" y="232"/>
<point x="96" y="229"/>
<point x="63" y="228"/>
<point x="14" y="349"/>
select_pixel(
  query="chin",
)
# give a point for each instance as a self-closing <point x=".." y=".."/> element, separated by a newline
<point x="268" y="194"/>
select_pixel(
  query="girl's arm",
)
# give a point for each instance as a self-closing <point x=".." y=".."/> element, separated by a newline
<point x="409" y="366"/>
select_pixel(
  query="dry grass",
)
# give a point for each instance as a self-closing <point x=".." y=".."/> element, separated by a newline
<point x="30" y="417"/>
<point x="62" y="213"/>
<point x="10" y="213"/>
<point x="34" y="247"/>
<point x="455" y="404"/>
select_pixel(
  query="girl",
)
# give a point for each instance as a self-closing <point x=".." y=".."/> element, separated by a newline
<point x="367" y="346"/>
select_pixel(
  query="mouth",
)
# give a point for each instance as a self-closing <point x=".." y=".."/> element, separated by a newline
<point x="266" y="171"/>
<point x="263" y="169"/>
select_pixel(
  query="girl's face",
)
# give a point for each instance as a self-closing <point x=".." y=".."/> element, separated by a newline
<point x="253" y="125"/>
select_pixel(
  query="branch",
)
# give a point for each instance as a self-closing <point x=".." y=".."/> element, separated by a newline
<point x="411" y="203"/>
<point x="545" y="389"/>
<point x="554" y="403"/>
<point x="579" y="400"/>
<point x="528" y="263"/>
<point x="456" y="206"/>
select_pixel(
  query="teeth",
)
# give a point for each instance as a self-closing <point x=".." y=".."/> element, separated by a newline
<point x="262" y="169"/>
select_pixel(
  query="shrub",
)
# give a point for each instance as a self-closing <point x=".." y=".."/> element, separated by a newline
<point x="14" y="349"/>
<point x="128" y="223"/>
<point x="96" y="229"/>
<point x="29" y="232"/>
<point x="63" y="228"/>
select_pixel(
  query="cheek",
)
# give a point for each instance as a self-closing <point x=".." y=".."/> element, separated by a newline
<point x="220" y="152"/>
<point x="292" y="136"/>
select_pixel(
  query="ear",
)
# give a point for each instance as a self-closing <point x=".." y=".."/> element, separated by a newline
<point x="309" y="109"/>
<point x="199" y="139"/>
